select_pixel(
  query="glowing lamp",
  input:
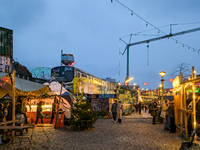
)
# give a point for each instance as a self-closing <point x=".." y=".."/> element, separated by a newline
<point x="128" y="80"/>
<point x="162" y="73"/>
<point x="171" y="79"/>
<point x="144" y="83"/>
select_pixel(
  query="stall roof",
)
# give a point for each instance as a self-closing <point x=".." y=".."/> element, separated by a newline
<point x="55" y="86"/>
<point x="107" y="96"/>
<point x="26" y="85"/>
<point x="23" y="87"/>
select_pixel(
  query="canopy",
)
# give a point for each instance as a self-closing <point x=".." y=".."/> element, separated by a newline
<point x="66" y="96"/>
<point x="107" y="96"/>
<point x="55" y="86"/>
<point x="23" y="87"/>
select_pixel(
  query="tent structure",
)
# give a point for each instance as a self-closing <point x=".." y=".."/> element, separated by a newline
<point x="66" y="96"/>
<point x="23" y="87"/>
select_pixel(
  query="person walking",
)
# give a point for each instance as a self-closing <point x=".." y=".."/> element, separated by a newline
<point x="120" y="110"/>
<point x="145" y="108"/>
<point x="114" y="110"/>
<point x="39" y="112"/>
<point x="172" y="119"/>
<point x="150" y="107"/>
<point x="166" y="119"/>
<point x="154" y="112"/>
<point x="140" y="107"/>
<point x="53" y="111"/>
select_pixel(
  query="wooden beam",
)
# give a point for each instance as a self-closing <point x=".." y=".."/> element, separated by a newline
<point x="181" y="111"/>
<point x="194" y="110"/>
<point x="13" y="105"/>
<point x="185" y="114"/>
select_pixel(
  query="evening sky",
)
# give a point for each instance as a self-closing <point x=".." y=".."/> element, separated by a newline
<point x="90" y="29"/>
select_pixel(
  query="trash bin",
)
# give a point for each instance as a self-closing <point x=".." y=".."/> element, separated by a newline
<point x="60" y="120"/>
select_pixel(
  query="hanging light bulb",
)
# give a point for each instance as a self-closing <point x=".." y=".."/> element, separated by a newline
<point x="132" y="13"/>
<point x="188" y="48"/>
<point x="183" y="45"/>
<point x="146" y="23"/>
<point x="111" y="1"/>
<point x="158" y="31"/>
<point x="176" y="42"/>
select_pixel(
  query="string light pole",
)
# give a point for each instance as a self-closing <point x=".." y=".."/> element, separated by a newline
<point x="162" y="73"/>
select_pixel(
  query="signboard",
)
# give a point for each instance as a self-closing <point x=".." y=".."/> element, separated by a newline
<point x="176" y="82"/>
<point x="63" y="73"/>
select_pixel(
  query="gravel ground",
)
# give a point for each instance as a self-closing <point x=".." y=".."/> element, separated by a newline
<point x="132" y="134"/>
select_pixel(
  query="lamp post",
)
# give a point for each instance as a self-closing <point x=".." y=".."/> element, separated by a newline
<point x="162" y="73"/>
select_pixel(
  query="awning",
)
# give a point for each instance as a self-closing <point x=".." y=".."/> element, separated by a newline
<point x="55" y="86"/>
<point x="23" y="87"/>
<point x="107" y="96"/>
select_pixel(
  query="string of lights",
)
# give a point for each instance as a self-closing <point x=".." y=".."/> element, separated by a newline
<point x="158" y="29"/>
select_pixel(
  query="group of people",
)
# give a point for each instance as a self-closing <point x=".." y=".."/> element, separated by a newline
<point x="167" y="114"/>
<point x="40" y="114"/>
<point x="117" y="111"/>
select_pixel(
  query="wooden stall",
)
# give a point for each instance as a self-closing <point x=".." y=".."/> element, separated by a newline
<point x="187" y="103"/>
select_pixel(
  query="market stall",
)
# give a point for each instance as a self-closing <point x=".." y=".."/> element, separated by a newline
<point x="187" y="103"/>
<point x="46" y="109"/>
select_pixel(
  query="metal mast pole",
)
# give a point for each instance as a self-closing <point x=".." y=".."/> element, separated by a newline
<point x="127" y="70"/>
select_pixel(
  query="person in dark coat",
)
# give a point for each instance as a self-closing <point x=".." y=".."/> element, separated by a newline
<point x="2" y="115"/>
<point x="53" y="111"/>
<point x="140" y="107"/>
<point x="114" y="110"/>
<point x="39" y="112"/>
<point x="150" y="107"/>
<point x="172" y="119"/>
<point x="154" y="112"/>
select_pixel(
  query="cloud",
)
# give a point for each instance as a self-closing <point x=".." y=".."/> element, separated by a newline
<point x="20" y="14"/>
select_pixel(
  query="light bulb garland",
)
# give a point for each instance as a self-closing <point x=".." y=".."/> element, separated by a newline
<point x="147" y="23"/>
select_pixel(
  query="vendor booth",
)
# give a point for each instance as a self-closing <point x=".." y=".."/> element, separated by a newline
<point x="187" y="103"/>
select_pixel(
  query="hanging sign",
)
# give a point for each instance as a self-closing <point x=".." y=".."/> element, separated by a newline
<point x="176" y="82"/>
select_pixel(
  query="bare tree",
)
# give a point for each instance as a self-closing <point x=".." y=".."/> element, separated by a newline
<point x="183" y="68"/>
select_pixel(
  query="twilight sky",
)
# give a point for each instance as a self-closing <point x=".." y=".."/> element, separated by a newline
<point x="90" y="29"/>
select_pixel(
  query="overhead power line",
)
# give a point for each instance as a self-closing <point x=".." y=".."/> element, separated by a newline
<point x="156" y="28"/>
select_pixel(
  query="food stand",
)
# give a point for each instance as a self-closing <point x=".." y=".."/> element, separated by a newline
<point x="46" y="109"/>
<point x="187" y="103"/>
